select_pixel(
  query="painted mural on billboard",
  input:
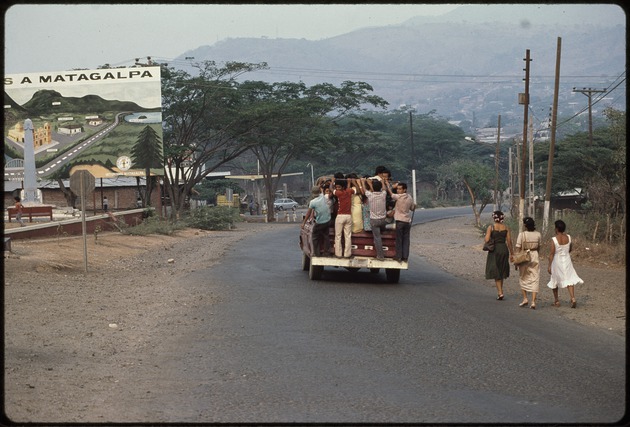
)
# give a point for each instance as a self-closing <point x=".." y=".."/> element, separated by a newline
<point x="106" y="121"/>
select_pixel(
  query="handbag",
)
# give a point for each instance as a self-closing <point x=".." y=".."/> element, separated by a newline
<point x="489" y="245"/>
<point x="522" y="256"/>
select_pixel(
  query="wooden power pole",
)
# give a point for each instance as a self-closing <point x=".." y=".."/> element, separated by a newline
<point x="589" y="93"/>
<point x="523" y="98"/>
<point x="497" y="202"/>
<point x="552" y="143"/>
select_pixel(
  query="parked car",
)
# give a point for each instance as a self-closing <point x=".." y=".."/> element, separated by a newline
<point x="285" y="204"/>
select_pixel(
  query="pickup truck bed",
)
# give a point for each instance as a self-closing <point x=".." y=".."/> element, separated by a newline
<point x="363" y="254"/>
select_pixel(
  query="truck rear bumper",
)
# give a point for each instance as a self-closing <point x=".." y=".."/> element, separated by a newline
<point x="359" y="262"/>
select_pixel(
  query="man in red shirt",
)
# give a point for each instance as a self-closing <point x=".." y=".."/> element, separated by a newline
<point x="343" y="190"/>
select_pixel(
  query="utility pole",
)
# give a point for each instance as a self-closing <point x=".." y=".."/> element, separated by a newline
<point x="497" y="203"/>
<point x="589" y="93"/>
<point x="413" y="157"/>
<point x="523" y="98"/>
<point x="531" y="209"/>
<point x="552" y="143"/>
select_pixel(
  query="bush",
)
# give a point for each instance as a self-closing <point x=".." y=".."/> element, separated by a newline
<point x="213" y="218"/>
<point x="154" y="225"/>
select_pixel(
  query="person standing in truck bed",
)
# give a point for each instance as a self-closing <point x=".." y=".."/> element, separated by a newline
<point x="402" y="215"/>
<point x="378" y="212"/>
<point x="318" y="207"/>
<point x="343" y="222"/>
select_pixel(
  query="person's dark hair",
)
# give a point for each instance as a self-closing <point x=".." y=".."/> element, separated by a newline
<point x="339" y="175"/>
<point x="560" y="226"/>
<point x="342" y="182"/>
<point x="529" y="223"/>
<point x="379" y="169"/>
<point x="403" y="185"/>
<point x="377" y="185"/>
<point x="17" y="199"/>
<point x="498" y="216"/>
<point x="352" y="175"/>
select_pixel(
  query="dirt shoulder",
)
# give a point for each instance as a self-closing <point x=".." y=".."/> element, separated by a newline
<point x="85" y="329"/>
<point x="455" y="245"/>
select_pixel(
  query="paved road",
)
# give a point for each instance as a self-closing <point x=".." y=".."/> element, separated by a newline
<point x="355" y="349"/>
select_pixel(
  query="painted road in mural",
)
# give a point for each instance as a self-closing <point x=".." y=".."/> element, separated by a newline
<point x="61" y="140"/>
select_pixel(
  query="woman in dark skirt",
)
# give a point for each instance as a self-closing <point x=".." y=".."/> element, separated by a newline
<point x="498" y="261"/>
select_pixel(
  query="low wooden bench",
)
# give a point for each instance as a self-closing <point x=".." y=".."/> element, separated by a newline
<point x="32" y="211"/>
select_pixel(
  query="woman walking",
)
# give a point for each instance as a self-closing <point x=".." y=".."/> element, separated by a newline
<point x="498" y="260"/>
<point x="560" y="265"/>
<point x="529" y="272"/>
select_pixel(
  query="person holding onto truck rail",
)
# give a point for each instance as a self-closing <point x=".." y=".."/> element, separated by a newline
<point x="343" y="191"/>
<point x="402" y="216"/>
<point x="318" y="207"/>
<point x="378" y="212"/>
<point x="357" y="203"/>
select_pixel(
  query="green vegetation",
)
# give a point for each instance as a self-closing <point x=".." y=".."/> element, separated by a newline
<point x="213" y="218"/>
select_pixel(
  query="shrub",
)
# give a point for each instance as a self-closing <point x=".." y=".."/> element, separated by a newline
<point x="213" y="218"/>
<point x="154" y="225"/>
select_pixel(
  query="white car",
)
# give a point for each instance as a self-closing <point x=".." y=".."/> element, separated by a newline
<point x="282" y="204"/>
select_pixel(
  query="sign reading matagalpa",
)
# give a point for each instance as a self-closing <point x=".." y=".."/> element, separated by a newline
<point x="107" y="121"/>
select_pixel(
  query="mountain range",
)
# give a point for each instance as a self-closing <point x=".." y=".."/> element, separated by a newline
<point x="464" y="65"/>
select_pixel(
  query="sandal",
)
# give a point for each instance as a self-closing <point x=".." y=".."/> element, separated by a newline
<point x="523" y="304"/>
<point x="556" y="304"/>
<point x="500" y="297"/>
<point x="533" y="306"/>
<point x="573" y="304"/>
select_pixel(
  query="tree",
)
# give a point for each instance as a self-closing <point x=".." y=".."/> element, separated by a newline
<point x="291" y="120"/>
<point x="203" y="126"/>
<point x="147" y="154"/>
<point x="477" y="178"/>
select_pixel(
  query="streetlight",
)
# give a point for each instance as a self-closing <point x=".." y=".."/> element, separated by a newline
<point x="312" y="175"/>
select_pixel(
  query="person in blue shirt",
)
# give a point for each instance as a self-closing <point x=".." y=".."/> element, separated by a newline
<point x="320" y="209"/>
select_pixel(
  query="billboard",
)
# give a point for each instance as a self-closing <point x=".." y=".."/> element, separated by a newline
<point x="106" y="121"/>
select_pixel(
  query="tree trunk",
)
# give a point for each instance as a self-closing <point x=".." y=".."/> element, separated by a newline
<point x="473" y="203"/>
<point x="69" y="195"/>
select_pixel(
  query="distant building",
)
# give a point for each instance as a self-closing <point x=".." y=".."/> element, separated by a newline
<point x="41" y="136"/>
<point x="70" y="129"/>
<point x="95" y="121"/>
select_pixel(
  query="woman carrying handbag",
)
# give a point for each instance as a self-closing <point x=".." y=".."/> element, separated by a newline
<point x="529" y="271"/>
<point x="498" y="259"/>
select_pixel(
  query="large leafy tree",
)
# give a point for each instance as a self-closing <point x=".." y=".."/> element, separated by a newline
<point x="599" y="170"/>
<point x="203" y="124"/>
<point x="291" y="120"/>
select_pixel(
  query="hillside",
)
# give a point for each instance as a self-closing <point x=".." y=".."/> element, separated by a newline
<point x="469" y="69"/>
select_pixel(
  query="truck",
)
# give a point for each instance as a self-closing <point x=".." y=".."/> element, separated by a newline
<point x="363" y="254"/>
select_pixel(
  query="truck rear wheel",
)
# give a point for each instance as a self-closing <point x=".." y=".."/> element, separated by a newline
<point x="315" y="271"/>
<point x="306" y="262"/>
<point x="393" y="275"/>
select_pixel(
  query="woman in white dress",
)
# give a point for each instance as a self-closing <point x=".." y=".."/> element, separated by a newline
<point x="560" y="265"/>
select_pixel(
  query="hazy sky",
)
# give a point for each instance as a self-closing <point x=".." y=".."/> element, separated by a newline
<point x="57" y="37"/>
